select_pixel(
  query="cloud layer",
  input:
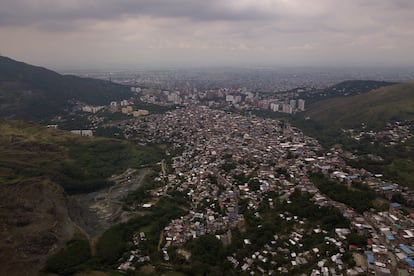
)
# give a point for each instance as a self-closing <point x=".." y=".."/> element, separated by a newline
<point x="215" y="32"/>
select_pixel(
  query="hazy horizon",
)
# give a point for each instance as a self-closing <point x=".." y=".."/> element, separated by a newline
<point x="281" y="68"/>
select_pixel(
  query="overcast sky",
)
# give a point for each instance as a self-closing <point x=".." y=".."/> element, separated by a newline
<point x="75" y="34"/>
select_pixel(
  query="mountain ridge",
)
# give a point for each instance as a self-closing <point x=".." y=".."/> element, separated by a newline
<point x="34" y="92"/>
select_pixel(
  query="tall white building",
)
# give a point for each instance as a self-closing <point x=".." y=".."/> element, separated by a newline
<point x="174" y="97"/>
<point x="287" y="108"/>
<point x="293" y="104"/>
<point x="301" y="105"/>
<point x="274" y="107"/>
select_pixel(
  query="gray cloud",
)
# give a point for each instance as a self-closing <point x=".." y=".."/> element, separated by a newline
<point x="21" y="12"/>
<point x="285" y="16"/>
<point x="244" y="31"/>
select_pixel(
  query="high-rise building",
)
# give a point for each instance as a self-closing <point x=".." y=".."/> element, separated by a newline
<point x="293" y="104"/>
<point x="301" y="105"/>
<point x="287" y="108"/>
<point x="274" y="107"/>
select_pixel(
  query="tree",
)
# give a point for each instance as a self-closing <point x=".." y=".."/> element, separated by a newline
<point x="254" y="184"/>
<point x="397" y="197"/>
<point x="207" y="249"/>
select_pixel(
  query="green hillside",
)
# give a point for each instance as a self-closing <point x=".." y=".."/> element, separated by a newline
<point x="374" y="108"/>
<point x="346" y="88"/>
<point x="371" y="111"/>
<point x="31" y="92"/>
<point x="30" y="152"/>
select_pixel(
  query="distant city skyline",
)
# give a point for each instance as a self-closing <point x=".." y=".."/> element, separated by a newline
<point x="69" y="34"/>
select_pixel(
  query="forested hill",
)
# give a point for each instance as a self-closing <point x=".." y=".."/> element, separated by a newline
<point x="374" y="108"/>
<point x="343" y="89"/>
<point x="31" y="92"/>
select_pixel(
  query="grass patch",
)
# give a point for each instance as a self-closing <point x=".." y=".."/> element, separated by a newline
<point x="402" y="171"/>
<point x="79" y="164"/>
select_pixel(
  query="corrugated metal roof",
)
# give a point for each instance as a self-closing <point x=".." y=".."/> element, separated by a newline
<point x="406" y="249"/>
<point x="409" y="261"/>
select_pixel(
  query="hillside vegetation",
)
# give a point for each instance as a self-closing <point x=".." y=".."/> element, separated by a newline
<point x="37" y="166"/>
<point x="342" y="89"/>
<point x="78" y="164"/>
<point x="31" y="92"/>
<point x="374" y="108"/>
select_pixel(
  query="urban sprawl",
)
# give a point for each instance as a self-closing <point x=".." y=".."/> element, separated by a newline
<point x="229" y="164"/>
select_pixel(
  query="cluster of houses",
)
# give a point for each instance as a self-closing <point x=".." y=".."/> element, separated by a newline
<point x="394" y="133"/>
<point x="135" y="255"/>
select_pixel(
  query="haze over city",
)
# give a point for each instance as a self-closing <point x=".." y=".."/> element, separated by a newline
<point x="108" y="34"/>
